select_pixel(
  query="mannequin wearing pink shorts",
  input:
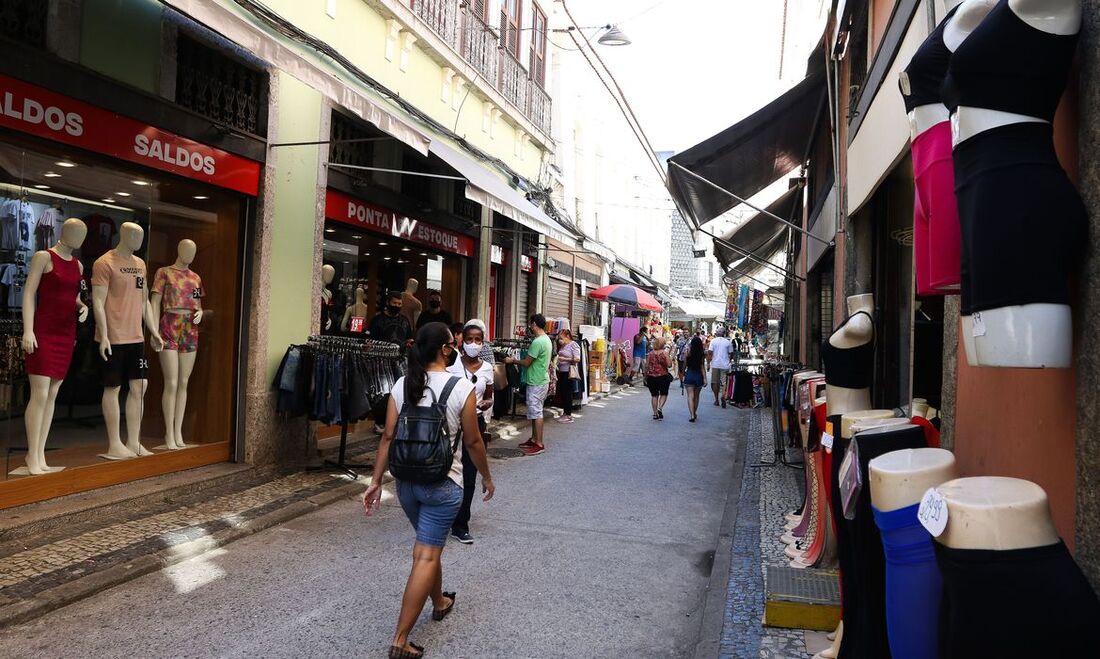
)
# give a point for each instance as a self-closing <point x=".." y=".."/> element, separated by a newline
<point x="936" y="233"/>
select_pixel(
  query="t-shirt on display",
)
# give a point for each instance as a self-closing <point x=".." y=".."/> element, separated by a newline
<point x="124" y="277"/>
<point x="180" y="289"/>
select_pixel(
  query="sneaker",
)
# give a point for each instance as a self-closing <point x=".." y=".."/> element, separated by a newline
<point x="464" y="537"/>
<point x="529" y="443"/>
<point x="534" y="450"/>
<point x="565" y="419"/>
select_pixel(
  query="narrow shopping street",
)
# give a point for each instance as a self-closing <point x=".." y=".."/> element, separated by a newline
<point x="601" y="547"/>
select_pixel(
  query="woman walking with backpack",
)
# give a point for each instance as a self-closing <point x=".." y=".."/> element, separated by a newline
<point x="430" y="499"/>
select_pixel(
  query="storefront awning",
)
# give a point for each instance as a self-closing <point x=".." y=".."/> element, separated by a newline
<point x="753" y="268"/>
<point x="692" y="309"/>
<point x="483" y="187"/>
<point x="759" y="230"/>
<point x="748" y="156"/>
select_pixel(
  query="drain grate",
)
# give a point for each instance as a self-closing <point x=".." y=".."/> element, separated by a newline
<point x="801" y="599"/>
<point x="505" y="453"/>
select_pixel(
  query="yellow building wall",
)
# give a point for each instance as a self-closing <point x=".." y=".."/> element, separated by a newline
<point x="359" y="33"/>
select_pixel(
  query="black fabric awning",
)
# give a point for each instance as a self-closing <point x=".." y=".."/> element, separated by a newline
<point x="750" y="155"/>
<point x="766" y="252"/>
<point x="759" y="230"/>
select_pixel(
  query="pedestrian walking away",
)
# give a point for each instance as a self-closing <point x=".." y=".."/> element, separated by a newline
<point x="431" y="501"/>
<point x="658" y="377"/>
<point x="695" y="377"/>
<point x="536" y="377"/>
<point x="719" y="356"/>
<point x="480" y="373"/>
<point x="569" y="360"/>
<point x="641" y="348"/>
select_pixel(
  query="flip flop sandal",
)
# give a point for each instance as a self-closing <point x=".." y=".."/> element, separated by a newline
<point x="439" y="614"/>
<point x="401" y="653"/>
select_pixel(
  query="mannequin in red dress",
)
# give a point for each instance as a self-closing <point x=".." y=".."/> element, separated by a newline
<point x="51" y="307"/>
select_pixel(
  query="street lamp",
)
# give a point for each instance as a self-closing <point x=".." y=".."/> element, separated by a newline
<point x="613" y="37"/>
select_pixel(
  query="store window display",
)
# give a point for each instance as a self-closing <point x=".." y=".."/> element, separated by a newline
<point x="122" y="246"/>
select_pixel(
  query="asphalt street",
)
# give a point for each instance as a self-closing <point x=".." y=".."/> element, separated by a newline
<point x="601" y="547"/>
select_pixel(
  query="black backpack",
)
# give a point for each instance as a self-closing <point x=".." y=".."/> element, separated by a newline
<point x="420" y="451"/>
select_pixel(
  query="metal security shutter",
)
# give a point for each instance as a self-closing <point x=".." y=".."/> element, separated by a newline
<point x="523" y="294"/>
<point x="556" y="299"/>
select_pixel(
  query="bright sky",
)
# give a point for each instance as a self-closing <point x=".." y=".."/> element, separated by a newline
<point x="695" y="67"/>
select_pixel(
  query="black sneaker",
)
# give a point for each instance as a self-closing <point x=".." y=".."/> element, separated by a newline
<point x="464" y="537"/>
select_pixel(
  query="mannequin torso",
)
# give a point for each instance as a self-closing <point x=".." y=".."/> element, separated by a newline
<point x="357" y="308"/>
<point x="899" y="479"/>
<point x="858" y="330"/>
<point x="851" y="419"/>
<point x="992" y="512"/>
<point x="410" y="305"/>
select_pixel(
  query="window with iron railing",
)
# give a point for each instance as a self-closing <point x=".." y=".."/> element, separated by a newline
<point x="219" y="87"/>
<point x="538" y="46"/>
<point x="341" y="151"/>
<point x="510" y="15"/>
<point x="24" y="21"/>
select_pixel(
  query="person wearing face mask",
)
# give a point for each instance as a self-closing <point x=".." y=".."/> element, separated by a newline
<point x="569" y="354"/>
<point x="479" y="372"/>
<point x="389" y="324"/>
<point x="435" y="312"/>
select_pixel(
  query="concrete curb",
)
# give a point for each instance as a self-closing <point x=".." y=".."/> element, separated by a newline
<point x="96" y="582"/>
<point x="714" y="601"/>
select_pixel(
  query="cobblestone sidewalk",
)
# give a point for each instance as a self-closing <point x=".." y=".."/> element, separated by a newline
<point x="50" y="575"/>
<point x="767" y="493"/>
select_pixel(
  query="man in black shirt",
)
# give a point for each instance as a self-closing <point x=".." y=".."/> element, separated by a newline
<point x="389" y="325"/>
<point x="435" y="312"/>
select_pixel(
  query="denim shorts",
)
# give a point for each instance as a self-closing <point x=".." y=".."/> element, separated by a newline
<point x="431" y="508"/>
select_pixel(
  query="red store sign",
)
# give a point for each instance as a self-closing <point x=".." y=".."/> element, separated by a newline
<point x="40" y="112"/>
<point x="358" y="213"/>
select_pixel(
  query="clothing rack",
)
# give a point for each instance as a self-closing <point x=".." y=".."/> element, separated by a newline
<point x="510" y="344"/>
<point x="780" y="374"/>
<point x="343" y="346"/>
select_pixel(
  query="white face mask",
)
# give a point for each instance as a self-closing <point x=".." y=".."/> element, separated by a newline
<point x="472" y="349"/>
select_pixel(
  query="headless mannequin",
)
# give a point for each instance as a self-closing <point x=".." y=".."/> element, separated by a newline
<point x="1029" y="335"/>
<point x="328" y="273"/>
<point x="924" y="117"/>
<point x="993" y="512"/>
<point x="130" y="238"/>
<point x="177" y="365"/>
<point x="900" y="479"/>
<point x="847" y="424"/>
<point x="39" y="413"/>
<point x="357" y="308"/>
<point x="410" y="306"/>
<point x="868" y="424"/>
<point x="858" y="331"/>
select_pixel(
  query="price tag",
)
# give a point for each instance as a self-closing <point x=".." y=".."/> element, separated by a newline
<point x="357" y="324"/>
<point x="979" y="325"/>
<point x="903" y="82"/>
<point x="932" y="513"/>
<point x="827" y="441"/>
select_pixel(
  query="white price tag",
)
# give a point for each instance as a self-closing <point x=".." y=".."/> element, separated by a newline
<point x="827" y="440"/>
<point x="903" y="80"/>
<point x="979" y="325"/>
<point x="932" y="513"/>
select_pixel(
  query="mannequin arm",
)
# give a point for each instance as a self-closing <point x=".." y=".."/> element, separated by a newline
<point x="859" y="329"/>
<point x="154" y="302"/>
<point x="1053" y="16"/>
<point x="199" y="313"/>
<point x="151" y="323"/>
<point x="99" y="311"/>
<point x="346" y="322"/>
<point x="30" y="299"/>
<point x="81" y="308"/>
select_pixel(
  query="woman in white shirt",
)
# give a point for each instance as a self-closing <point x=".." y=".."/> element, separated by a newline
<point x="480" y="373"/>
<point x="431" y="507"/>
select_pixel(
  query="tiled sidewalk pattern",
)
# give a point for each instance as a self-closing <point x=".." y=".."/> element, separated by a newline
<point x="767" y="494"/>
<point x="33" y="570"/>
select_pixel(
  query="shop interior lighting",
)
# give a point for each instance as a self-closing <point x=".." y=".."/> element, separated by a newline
<point x="383" y="243"/>
<point x="52" y="175"/>
<point x="42" y="187"/>
<point x="330" y="230"/>
<point x="123" y="194"/>
<point x="423" y="253"/>
<point x="200" y="197"/>
<point x="385" y="258"/>
<point x="405" y="249"/>
<point x="108" y="200"/>
<point x="136" y="182"/>
<point x="357" y="237"/>
<point x="65" y="163"/>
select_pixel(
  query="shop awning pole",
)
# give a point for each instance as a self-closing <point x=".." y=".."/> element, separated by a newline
<point x="746" y="202"/>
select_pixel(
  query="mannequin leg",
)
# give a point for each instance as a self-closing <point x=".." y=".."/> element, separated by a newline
<point x="32" y="419"/>
<point x="135" y="408"/>
<point x="833" y="651"/>
<point x="47" y="422"/>
<point x="187" y="365"/>
<point x="169" y="365"/>
<point x="116" y="450"/>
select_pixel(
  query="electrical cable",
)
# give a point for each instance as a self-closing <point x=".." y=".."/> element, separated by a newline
<point x="620" y="100"/>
